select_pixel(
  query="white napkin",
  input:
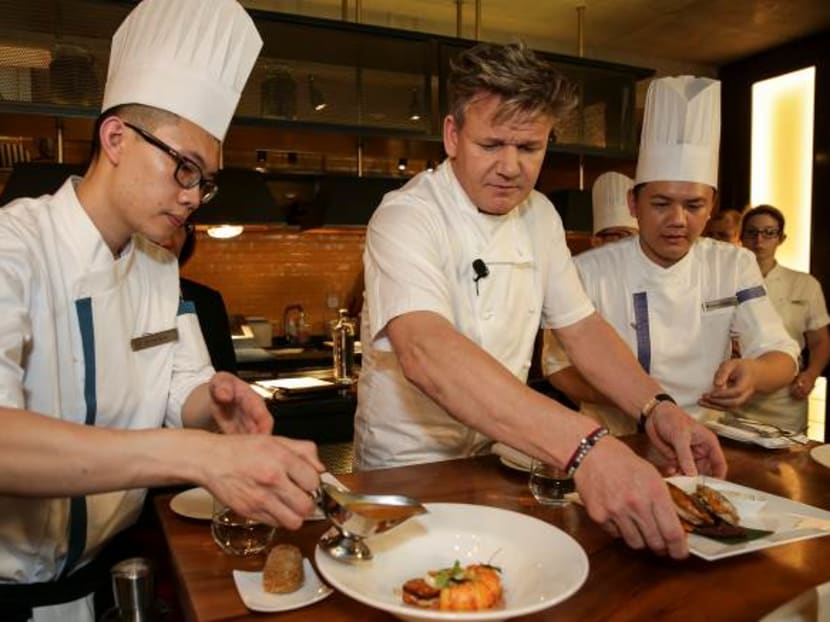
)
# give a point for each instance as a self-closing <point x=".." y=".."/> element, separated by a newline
<point x="249" y="586"/>
<point x="512" y="455"/>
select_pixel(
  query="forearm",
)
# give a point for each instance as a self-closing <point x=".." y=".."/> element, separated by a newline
<point x="476" y="389"/>
<point x="773" y="370"/>
<point x="573" y="384"/>
<point x="45" y="457"/>
<point x="606" y="362"/>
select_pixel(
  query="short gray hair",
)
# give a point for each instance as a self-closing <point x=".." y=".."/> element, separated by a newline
<point x="524" y="81"/>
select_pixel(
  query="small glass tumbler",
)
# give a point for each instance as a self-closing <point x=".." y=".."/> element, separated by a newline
<point x="237" y="535"/>
<point x="549" y="484"/>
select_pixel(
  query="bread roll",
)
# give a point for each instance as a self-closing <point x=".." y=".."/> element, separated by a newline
<point x="283" y="571"/>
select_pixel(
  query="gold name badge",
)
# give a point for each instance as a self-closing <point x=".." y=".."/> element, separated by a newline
<point x="154" y="339"/>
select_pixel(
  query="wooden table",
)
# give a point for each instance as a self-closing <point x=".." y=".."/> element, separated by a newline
<point x="622" y="585"/>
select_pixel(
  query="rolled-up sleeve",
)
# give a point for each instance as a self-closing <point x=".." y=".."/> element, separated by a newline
<point x="191" y="363"/>
<point x="404" y="266"/>
<point x="15" y="324"/>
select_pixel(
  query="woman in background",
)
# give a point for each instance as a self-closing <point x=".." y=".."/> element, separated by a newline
<point x="798" y="298"/>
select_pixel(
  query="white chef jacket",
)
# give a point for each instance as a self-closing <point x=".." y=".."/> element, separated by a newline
<point x="420" y="246"/>
<point x="68" y="313"/>
<point x="798" y="298"/>
<point x="679" y="320"/>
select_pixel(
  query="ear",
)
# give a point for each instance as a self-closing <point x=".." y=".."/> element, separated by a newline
<point x="782" y="238"/>
<point x="111" y="137"/>
<point x="450" y="135"/>
<point x="632" y="203"/>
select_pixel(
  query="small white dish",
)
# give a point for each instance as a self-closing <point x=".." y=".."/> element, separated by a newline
<point x="249" y="586"/>
<point x="197" y="503"/>
<point x="821" y="454"/>
<point x="810" y="606"/>
<point x="514" y="465"/>
<point x="194" y="503"/>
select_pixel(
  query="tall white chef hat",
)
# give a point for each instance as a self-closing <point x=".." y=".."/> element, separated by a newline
<point x="189" y="57"/>
<point x="609" y="202"/>
<point x="681" y="131"/>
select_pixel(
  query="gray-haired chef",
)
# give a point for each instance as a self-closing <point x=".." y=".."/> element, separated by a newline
<point x="674" y="297"/>
<point x="96" y="353"/>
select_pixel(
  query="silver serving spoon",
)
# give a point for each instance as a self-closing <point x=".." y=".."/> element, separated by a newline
<point x="357" y="516"/>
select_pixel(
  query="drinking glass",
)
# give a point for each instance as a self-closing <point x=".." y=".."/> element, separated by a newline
<point x="549" y="484"/>
<point x="237" y="535"/>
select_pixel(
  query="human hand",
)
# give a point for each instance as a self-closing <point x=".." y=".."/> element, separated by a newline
<point x="733" y="384"/>
<point x="683" y="445"/>
<point x="236" y="408"/>
<point x="265" y="478"/>
<point x="629" y="499"/>
<point x="802" y="386"/>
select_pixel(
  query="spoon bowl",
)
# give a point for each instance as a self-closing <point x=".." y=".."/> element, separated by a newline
<point x="356" y="516"/>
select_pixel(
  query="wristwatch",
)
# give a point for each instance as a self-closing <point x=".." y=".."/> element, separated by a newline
<point x="646" y="411"/>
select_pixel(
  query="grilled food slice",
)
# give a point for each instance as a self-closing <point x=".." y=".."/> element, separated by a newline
<point x="688" y="509"/>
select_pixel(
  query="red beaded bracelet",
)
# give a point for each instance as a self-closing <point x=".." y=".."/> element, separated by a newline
<point x="585" y="445"/>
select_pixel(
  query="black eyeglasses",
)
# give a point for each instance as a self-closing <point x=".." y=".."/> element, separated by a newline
<point x="768" y="233"/>
<point x="188" y="174"/>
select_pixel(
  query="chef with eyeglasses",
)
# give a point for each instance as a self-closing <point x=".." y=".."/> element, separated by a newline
<point x="96" y="351"/>
<point x="676" y="298"/>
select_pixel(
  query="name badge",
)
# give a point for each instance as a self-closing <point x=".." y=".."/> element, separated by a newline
<point x="729" y="301"/>
<point x="154" y="339"/>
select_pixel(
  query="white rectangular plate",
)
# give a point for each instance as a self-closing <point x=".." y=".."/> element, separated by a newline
<point x="789" y="520"/>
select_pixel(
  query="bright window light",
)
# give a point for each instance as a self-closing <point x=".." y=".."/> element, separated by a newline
<point x="782" y="157"/>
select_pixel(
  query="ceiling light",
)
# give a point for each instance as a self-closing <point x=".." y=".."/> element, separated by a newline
<point x="315" y="95"/>
<point x="415" y="106"/>
<point x="224" y="232"/>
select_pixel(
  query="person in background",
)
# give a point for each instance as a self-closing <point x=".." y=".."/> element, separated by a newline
<point x="798" y="298"/>
<point x="612" y="220"/>
<point x="96" y="353"/>
<point x="462" y="265"/>
<point x="725" y="225"/>
<point x="674" y="297"/>
<point x="210" y="307"/>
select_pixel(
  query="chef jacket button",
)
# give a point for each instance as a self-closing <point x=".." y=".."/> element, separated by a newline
<point x="488" y="315"/>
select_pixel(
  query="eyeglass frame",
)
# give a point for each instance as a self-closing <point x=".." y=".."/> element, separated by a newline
<point x="767" y="233"/>
<point x="208" y="189"/>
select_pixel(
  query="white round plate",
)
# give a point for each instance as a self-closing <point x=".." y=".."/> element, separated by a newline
<point x="821" y="454"/>
<point x="541" y="565"/>
<point x="194" y="503"/>
<point x="249" y="586"/>
<point x="513" y="465"/>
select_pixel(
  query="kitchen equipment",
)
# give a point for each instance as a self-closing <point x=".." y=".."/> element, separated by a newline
<point x="357" y="516"/>
<point x="342" y="335"/>
<point x="262" y="329"/>
<point x="295" y="327"/>
<point x="134" y="591"/>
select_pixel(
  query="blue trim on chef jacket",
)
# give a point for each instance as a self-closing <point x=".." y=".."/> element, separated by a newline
<point x="185" y="307"/>
<point x="752" y="292"/>
<point x="642" y="327"/>
<point x="77" y="505"/>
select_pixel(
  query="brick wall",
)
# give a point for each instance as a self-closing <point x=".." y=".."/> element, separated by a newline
<point x="261" y="272"/>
